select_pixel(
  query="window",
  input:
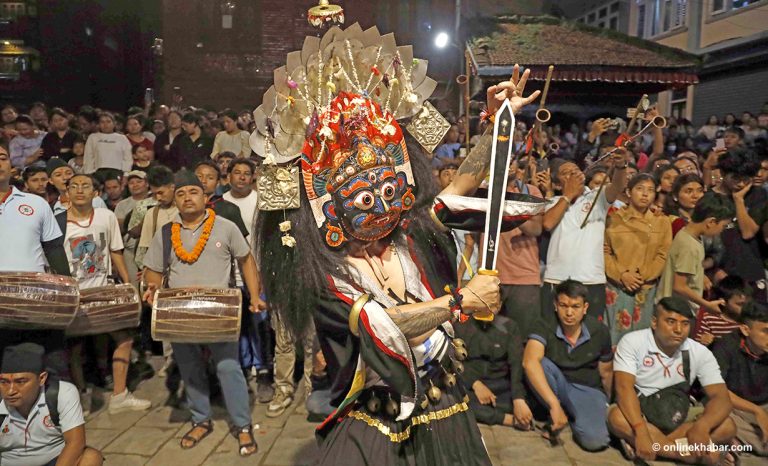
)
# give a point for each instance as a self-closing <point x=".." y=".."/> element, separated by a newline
<point x="656" y="17"/>
<point x="679" y="102"/>
<point x="10" y="11"/>
<point x="723" y="6"/>
<point x="606" y="16"/>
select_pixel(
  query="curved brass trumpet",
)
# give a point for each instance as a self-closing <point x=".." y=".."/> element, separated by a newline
<point x="659" y="122"/>
<point x="462" y="79"/>
<point x="542" y="114"/>
<point x="554" y="147"/>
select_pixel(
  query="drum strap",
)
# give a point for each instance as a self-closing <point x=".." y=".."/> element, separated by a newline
<point x="52" y="400"/>
<point x="167" y="248"/>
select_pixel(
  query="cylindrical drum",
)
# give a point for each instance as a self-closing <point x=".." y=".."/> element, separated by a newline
<point x="31" y="300"/>
<point x="196" y="315"/>
<point x="105" y="309"/>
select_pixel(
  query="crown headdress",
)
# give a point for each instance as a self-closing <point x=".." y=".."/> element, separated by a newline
<point x="340" y="92"/>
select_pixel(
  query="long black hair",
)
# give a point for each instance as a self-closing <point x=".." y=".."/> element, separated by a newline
<point x="294" y="278"/>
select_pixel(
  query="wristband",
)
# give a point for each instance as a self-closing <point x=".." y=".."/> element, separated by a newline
<point x="636" y="425"/>
<point x="455" y="303"/>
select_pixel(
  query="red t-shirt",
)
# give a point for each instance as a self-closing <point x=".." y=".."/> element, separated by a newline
<point x="518" y="261"/>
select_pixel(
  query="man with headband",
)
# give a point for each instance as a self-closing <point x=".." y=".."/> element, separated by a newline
<point x="41" y="421"/>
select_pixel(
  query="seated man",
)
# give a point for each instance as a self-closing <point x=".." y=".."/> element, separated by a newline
<point x="40" y="425"/>
<point x="493" y="372"/>
<point x="568" y="365"/>
<point x="743" y="359"/>
<point x="662" y="361"/>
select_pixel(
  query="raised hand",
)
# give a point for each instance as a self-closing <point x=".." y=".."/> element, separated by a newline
<point x="512" y="90"/>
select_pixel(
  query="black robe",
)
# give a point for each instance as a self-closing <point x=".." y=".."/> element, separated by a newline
<point x="424" y="432"/>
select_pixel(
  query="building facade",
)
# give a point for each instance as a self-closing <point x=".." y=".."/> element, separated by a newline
<point x="730" y="36"/>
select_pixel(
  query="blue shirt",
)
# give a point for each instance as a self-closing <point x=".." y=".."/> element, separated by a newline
<point x="26" y="221"/>
<point x="20" y="148"/>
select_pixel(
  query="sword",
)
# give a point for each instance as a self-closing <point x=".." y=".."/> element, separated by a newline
<point x="501" y="155"/>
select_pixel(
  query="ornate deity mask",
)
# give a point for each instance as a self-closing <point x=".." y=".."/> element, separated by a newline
<point x="335" y="105"/>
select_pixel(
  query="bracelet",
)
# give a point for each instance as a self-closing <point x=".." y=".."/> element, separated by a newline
<point x="637" y="424"/>
<point x="455" y="303"/>
<point x="567" y="201"/>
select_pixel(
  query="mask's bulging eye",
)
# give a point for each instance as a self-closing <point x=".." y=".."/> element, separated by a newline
<point x="372" y="177"/>
<point x="388" y="191"/>
<point x="364" y="200"/>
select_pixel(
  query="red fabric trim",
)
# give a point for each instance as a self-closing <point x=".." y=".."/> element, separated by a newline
<point x="339" y="294"/>
<point x="422" y="275"/>
<point x="7" y="195"/>
<point x="380" y="344"/>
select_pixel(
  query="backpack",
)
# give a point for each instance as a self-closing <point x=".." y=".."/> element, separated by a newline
<point x="51" y="399"/>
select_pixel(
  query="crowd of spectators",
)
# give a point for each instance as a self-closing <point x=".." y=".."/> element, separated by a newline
<point x="665" y="240"/>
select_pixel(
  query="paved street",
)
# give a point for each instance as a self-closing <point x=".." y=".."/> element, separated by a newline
<point x="152" y="438"/>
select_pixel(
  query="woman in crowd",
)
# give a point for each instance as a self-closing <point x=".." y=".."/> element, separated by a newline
<point x="636" y="245"/>
<point x="665" y="177"/>
<point x="134" y="131"/>
<point x="710" y="128"/>
<point x="107" y="150"/>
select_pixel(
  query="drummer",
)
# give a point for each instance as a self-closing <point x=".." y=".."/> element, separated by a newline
<point x="30" y="239"/>
<point x="94" y="248"/>
<point x="203" y="248"/>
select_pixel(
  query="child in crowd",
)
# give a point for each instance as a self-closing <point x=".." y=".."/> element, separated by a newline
<point x="713" y="326"/>
<point x="683" y="274"/>
<point x="78" y="151"/>
<point x="142" y="158"/>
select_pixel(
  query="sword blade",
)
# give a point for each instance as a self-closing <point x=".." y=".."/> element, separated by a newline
<point x="501" y="154"/>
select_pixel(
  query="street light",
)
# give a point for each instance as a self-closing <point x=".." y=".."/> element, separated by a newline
<point x="441" y="40"/>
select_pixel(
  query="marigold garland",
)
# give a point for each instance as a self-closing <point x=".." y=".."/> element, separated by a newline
<point x="178" y="247"/>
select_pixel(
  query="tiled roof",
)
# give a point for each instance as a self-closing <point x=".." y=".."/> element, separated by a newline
<point x="579" y="53"/>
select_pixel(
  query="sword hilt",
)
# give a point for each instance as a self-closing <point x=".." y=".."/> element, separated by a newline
<point x="485" y="316"/>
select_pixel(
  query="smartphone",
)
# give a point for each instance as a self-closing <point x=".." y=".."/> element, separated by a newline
<point x="719" y="144"/>
<point x="149" y="97"/>
<point x="542" y="165"/>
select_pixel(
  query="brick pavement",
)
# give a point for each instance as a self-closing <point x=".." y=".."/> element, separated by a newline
<point x="152" y="438"/>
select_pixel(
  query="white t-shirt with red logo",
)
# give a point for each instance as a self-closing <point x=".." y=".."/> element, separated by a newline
<point x="36" y="440"/>
<point x="638" y="354"/>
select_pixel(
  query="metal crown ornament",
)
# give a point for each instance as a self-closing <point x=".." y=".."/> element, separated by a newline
<point x="325" y="13"/>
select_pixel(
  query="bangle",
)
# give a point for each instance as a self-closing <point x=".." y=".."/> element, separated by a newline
<point x="567" y="201"/>
<point x="637" y="424"/>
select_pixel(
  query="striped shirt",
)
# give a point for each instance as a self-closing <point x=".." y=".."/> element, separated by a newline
<point x="716" y="324"/>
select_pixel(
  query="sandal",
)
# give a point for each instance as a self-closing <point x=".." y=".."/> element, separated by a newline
<point x="207" y="427"/>
<point x="245" y="447"/>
